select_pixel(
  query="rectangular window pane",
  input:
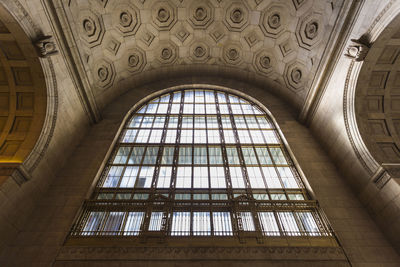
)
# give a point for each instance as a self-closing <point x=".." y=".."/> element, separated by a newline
<point x="288" y="223"/>
<point x="209" y="96"/>
<point x="263" y="155"/>
<point x="201" y="136"/>
<point x="236" y="177"/>
<point x="199" y="96"/>
<point x="249" y="156"/>
<point x="184" y="177"/>
<point x="155" y="221"/>
<point x="164" y="177"/>
<point x="129" y="136"/>
<point x="221" y="98"/>
<point x="215" y="154"/>
<point x="151" y="155"/>
<point x="185" y="155"/>
<point x="201" y="223"/>
<point x="240" y="122"/>
<point x="133" y="223"/>
<point x="200" y="155"/>
<point x="229" y="137"/>
<point x="113" y="176"/>
<point x="236" y="109"/>
<point x="155" y="136"/>
<point x="200" y="177"/>
<point x="255" y="177"/>
<point x="251" y="122"/>
<point x="217" y="177"/>
<point x="177" y="97"/>
<point x="136" y="155"/>
<point x="212" y="122"/>
<point x="278" y="156"/>
<point x="223" y="109"/>
<point x="200" y="122"/>
<point x="168" y="155"/>
<point x="222" y="223"/>
<point x="189" y="96"/>
<point x="122" y="155"/>
<point x="199" y="109"/>
<point x="270" y="137"/>
<point x="247" y="109"/>
<point x="268" y="223"/>
<point x="180" y="224"/>
<point x="113" y="223"/>
<point x="257" y="137"/>
<point x="188" y="108"/>
<point x="187" y="122"/>
<point x="247" y="221"/>
<point x="264" y="123"/>
<point x="186" y="136"/>
<point x="162" y="109"/>
<point x="233" y="99"/>
<point x="147" y="122"/>
<point x="93" y="223"/>
<point x="164" y="99"/>
<point x="129" y="178"/>
<point x="308" y="223"/>
<point x="271" y="177"/>
<point x="159" y="122"/>
<point x="226" y="122"/>
<point x="244" y="137"/>
<point x="232" y="154"/>
<point x="170" y="137"/>
<point x="175" y="108"/>
<point x="211" y="109"/>
<point x="151" y="108"/>
<point x="145" y="177"/>
<point x="287" y="177"/>
<point x="173" y="122"/>
<point x="213" y="137"/>
<point x="142" y="136"/>
<point x="135" y="121"/>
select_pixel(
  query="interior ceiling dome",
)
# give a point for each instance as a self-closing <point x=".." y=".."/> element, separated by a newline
<point x="279" y="44"/>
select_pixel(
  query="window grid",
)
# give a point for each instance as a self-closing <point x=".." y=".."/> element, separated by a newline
<point x="200" y="169"/>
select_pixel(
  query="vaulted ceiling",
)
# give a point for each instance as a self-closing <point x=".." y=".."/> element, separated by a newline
<point x="278" y="44"/>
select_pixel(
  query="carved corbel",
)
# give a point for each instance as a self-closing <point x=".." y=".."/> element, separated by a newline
<point x="46" y="46"/>
<point x="359" y="48"/>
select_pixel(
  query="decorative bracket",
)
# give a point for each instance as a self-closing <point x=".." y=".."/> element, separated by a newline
<point x="46" y="46"/>
<point x="359" y="48"/>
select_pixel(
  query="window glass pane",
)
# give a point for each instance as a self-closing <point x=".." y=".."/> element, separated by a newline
<point x="232" y="155"/>
<point x="236" y="177"/>
<point x="155" y="136"/>
<point x="129" y="178"/>
<point x="186" y="136"/>
<point x="142" y="110"/>
<point x="200" y="155"/>
<point x="263" y="122"/>
<point x="135" y="121"/>
<point x="221" y="98"/>
<point x="261" y="196"/>
<point x="308" y="223"/>
<point x="263" y="155"/>
<point x="122" y="155"/>
<point x="222" y="223"/>
<point x="255" y="177"/>
<point x="140" y="196"/>
<point x="93" y="223"/>
<point x="296" y="196"/>
<point x="223" y="109"/>
<point x="185" y="155"/>
<point x="164" y="178"/>
<point x="268" y="223"/>
<point x="200" y="136"/>
<point x="173" y="122"/>
<point x="129" y="136"/>
<point x="247" y="221"/>
<point x="278" y="197"/>
<point x="209" y="96"/>
<point x="212" y="122"/>
<point x="187" y="122"/>
<point x="199" y="109"/>
<point x="113" y="223"/>
<point x="170" y="137"/>
<point x="168" y="155"/>
<point x="159" y="122"/>
<point x="142" y="136"/>
<point x="136" y="155"/>
<point x="251" y="122"/>
<point x="199" y="96"/>
<point x="187" y="108"/>
<point x="200" y="122"/>
<point x="175" y="108"/>
<point x="249" y="156"/>
<point x="123" y="196"/>
<point x="184" y="177"/>
<point x="229" y="137"/>
<point x="226" y="122"/>
<point x="201" y="223"/>
<point x="113" y="176"/>
<point x="162" y="109"/>
<point x="215" y="154"/>
<point x="219" y="196"/>
<point x="145" y="177"/>
<point x="211" y="109"/>
<point x="151" y="108"/>
<point x="188" y="97"/>
<point x="288" y="223"/>
<point x="287" y="177"/>
<point x="240" y="122"/>
<point x="200" y="177"/>
<point x="217" y="177"/>
<point x="182" y="196"/>
<point x="164" y="99"/>
<point x="236" y="109"/>
<point x="278" y="156"/>
<point x="247" y="109"/>
<point x="233" y="99"/>
<point x="180" y="223"/>
<point x="201" y="197"/>
<point x="270" y="137"/>
<point x="244" y="137"/>
<point x="155" y="221"/>
<point x="133" y="223"/>
<point x="151" y="155"/>
<point x="176" y="97"/>
<point x="271" y="177"/>
<point x="257" y="137"/>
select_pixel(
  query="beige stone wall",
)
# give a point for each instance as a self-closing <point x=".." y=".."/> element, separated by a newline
<point x="42" y="237"/>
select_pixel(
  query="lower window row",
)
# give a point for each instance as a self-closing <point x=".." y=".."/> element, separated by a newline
<point x="201" y="223"/>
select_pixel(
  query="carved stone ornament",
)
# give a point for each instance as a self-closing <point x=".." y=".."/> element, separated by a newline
<point x="237" y="16"/>
<point x="201" y="14"/>
<point x="136" y="59"/>
<point x="46" y="46"/>
<point x="309" y="30"/>
<point x="199" y="52"/>
<point x="359" y="48"/>
<point x="295" y="75"/>
<point x="104" y="73"/>
<point x="164" y="15"/>
<point x="263" y="62"/>
<point x="167" y="53"/>
<point x="274" y="20"/>
<point x="92" y="29"/>
<point x="232" y="54"/>
<point x="126" y="18"/>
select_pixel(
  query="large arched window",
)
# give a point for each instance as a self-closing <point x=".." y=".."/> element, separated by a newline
<point x="200" y="163"/>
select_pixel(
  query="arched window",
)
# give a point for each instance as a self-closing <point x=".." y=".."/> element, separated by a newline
<point x="200" y="163"/>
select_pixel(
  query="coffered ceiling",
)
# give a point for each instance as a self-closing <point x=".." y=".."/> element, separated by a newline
<point x="278" y="44"/>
